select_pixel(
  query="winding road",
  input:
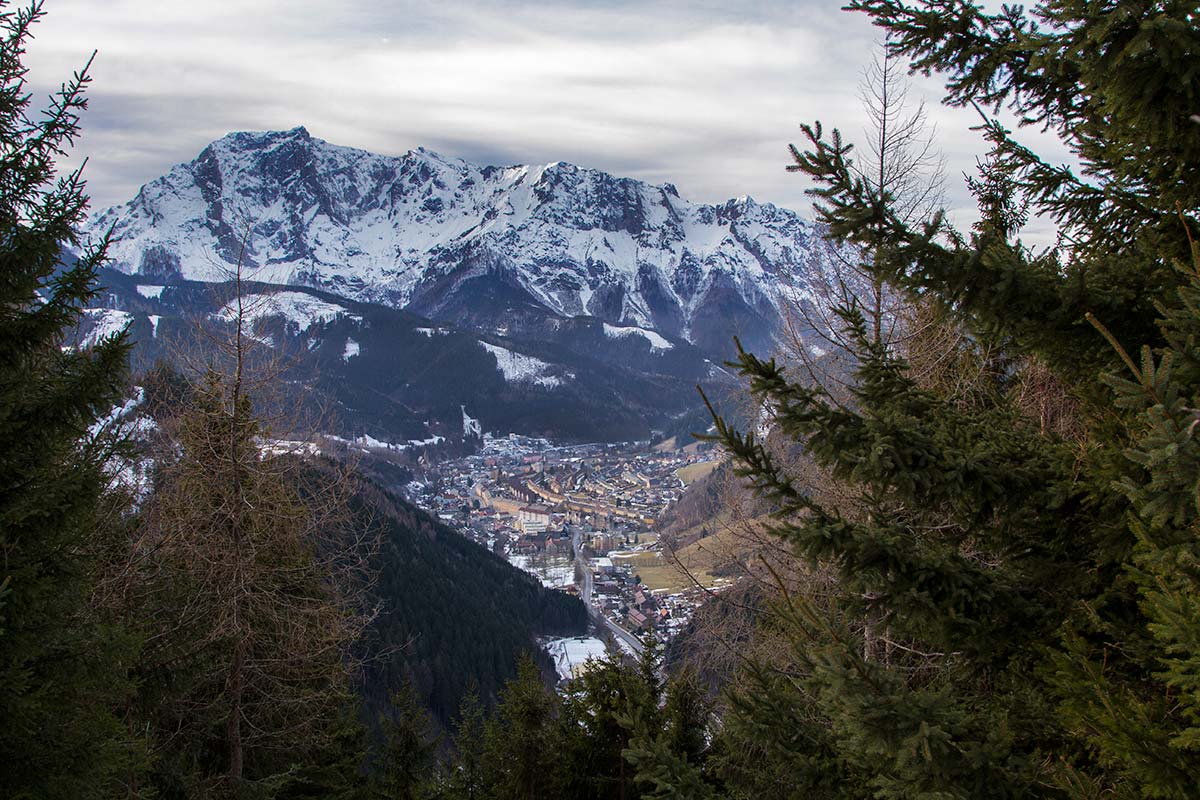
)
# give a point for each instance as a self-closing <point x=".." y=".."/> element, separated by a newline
<point x="585" y="594"/>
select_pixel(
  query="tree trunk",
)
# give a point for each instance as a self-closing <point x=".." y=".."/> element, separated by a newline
<point x="233" y="728"/>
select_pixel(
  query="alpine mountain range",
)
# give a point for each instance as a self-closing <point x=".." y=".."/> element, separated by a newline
<point x="427" y="297"/>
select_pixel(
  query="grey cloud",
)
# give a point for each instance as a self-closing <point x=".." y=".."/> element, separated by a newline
<point x="705" y="95"/>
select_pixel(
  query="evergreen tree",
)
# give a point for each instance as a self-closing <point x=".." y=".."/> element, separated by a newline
<point x="464" y="779"/>
<point x="669" y="731"/>
<point x="519" y="743"/>
<point x="597" y="719"/>
<point x="1032" y="595"/>
<point x="624" y="735"/>
<point x="613" y="734"/>
<point x="406" y="766"/>
<point x="62" y="668"/>
<point x="687" y="714"/>
<point x="1140" y="711"/>
<point x="337" y="770"/>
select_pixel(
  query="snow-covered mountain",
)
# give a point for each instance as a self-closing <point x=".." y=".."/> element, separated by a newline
<point x="509" y="250"/>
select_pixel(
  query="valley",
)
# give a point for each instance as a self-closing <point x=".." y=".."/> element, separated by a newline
<point x="498" y="343"/>
<point x="584" y="519"/>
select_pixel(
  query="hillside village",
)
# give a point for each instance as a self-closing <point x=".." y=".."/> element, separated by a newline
<point x="582" y="518"/>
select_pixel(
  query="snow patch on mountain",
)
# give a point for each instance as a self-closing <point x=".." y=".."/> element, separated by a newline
<point x="715" y="371"/>
<point x="520" y="368"/>
<point x="471" y="426"/>
<point x="119" y="413"/>
<point x="368" y="442"/>
<point x="299" y="309"/>
<point x="351" y="350"/>
<point x="104" y="322"/>
<point x="151" y="292"/>
<point x="287" y="447"/>
<point x="126" y="421"/>
<point x="657" y="342"/>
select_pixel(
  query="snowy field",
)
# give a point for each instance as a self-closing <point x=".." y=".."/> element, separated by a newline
<point x="519" y="368"/>
<point x="572" y="653"/>
<point x="555" y="572"/>
<point x="657" y="343"/>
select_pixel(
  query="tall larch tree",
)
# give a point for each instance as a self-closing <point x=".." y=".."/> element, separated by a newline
<point x="251" y="591"/>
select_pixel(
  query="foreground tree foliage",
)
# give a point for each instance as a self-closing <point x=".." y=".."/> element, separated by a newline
<point x="1032" y="589"/>
<point x="613" y="733"/>
<point x="62" y="663"/>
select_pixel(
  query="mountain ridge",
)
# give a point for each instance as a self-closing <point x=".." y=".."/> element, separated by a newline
<point x="483" y="246"/>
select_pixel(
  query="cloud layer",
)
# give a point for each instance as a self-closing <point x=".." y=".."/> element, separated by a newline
<point x="704" y="95"/>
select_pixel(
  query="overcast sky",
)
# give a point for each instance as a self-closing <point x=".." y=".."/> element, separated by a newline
<point x="706" y="95"/>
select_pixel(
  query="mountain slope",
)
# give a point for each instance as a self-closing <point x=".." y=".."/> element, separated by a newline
<point x="361" y="370"/>
<point x="454" y="617"/>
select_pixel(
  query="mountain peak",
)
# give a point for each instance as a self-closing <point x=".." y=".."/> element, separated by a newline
<point x="248" y="140"/>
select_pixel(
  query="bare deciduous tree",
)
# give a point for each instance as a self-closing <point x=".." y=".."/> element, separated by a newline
<point x="899" y="162"/>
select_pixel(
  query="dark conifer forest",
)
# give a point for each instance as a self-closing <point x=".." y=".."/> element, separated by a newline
<point x="979" y="574"/>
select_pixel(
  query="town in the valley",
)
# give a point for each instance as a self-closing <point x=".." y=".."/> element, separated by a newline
<point x="584" y="519"/>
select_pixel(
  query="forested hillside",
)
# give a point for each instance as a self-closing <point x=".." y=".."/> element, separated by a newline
<point x="453" y="618"/>
<point x="373" y="369"/>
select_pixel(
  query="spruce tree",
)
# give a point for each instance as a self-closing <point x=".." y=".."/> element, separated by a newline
<point x="1032" y="594"/>
<point x="406" y="764"/>
<point x="687" y="717"/>
<point x="597" y="722"/>
<point x="464" y="778"/>
<point x="521" y="751"/>
<point x="336" y="771"/>
<point x="62" y="669"/>
<point x="668" y="745"/>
